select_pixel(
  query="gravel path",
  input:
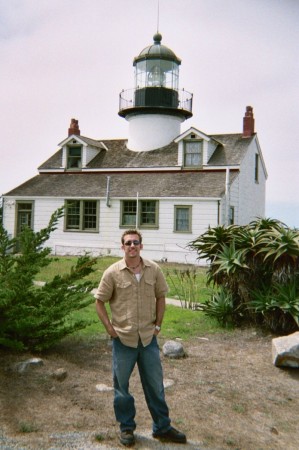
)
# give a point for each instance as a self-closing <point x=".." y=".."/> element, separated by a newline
<point x="86" y="441"/>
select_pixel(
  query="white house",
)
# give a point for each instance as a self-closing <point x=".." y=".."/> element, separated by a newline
<point x="170" y="185"/>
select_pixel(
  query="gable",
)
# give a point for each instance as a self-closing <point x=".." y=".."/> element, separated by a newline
<point x="198" y="134"/>
<point x="208" y="144"/>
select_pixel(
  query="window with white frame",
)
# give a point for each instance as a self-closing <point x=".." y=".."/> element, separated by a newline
<point x="193" y="153"/>
<point x="183" y="218"/>
<point x="143" y="215"/>
<point x="82" y="215"/>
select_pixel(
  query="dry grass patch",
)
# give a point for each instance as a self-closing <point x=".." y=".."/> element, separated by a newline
<point x="227" y="395"/>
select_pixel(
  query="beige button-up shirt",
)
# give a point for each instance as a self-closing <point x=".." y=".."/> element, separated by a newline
<point x="132" y="302"/>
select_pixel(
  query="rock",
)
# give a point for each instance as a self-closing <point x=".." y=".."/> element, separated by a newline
<point x="24" y="366"/>
<point x="168" y="383"/>
<point x="285" y="350"/>
<point x="103" y="388"/>
<point x="173" y="349"/>
<point x="60" y="374"/>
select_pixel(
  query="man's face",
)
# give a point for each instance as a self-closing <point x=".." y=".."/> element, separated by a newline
<point x="131" y="246"/>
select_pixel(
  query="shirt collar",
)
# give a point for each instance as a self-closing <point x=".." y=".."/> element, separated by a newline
<point x="123" y="264"/>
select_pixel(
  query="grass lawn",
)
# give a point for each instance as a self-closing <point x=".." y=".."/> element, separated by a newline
<point x="183" y="280"/>
<point x="178" y="323"/>
<point x="186" y="283"/>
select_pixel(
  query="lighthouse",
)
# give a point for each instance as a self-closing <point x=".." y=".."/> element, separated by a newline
<point x="155" y="107"/>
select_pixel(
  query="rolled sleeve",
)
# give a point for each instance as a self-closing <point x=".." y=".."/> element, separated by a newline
<point x="104" y="291"/>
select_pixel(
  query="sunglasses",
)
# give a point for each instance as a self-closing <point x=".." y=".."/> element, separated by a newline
<point x="129" y="243"/>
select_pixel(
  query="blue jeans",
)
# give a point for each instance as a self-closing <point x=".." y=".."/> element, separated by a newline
<point x="151" y="375"/>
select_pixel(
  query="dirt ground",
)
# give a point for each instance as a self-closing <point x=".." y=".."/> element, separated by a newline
<point x="226" y="395"/>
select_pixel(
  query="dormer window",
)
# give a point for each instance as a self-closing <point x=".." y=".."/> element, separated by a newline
<point x="74" y="157"/>
<point x="193" y="153"/>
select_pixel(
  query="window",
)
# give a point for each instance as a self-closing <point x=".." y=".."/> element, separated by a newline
<point x="24" y="215"/>
<point x="24" y="218"/>
<point x="129" y="212"/>
<point x="193" y="154"/>
<point x="231" y="219"/>
<point x="182" y="219"/>
<point x="74" y="157"/>
<point x="81" y="215"/>
<point x="147" y="213"/>
<point x="256" y="168"/>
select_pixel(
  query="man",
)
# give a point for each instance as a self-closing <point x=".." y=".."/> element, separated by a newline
<point x="135" y="289"/>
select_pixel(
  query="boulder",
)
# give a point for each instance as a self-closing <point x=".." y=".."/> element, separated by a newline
<point x="285" y="350"/>
<point x="167" y="383"/>
<point x="173" y="349"/>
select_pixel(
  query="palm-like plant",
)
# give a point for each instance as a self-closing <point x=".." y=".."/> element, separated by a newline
<point x="243" y="258"/>
<point x="279" y="306"/>
<point x="212" y="241"/>
<point x="281" y="249"/>
<point x="266" y="223"/>
<point x="220" y="306"/>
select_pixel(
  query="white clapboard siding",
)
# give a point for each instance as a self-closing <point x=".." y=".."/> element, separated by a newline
<point x="161" y="243"/>
<point x="251" y="194"/>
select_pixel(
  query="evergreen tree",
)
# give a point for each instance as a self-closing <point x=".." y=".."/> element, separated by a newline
<point x="35" y="317"/>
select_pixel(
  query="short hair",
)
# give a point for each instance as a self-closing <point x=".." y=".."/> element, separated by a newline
<point x="132" y="231"/>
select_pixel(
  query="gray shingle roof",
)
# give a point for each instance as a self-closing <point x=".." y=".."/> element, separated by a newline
<point x="207" y="183"/>
<point x="230" y="152"/>
<point x="91" y="142"/>
<point x="118" y="155"/>
<point x="54" y="162"/>
<point x="125" y="185"/>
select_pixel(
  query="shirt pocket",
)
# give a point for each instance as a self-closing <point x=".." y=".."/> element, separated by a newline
<point x="124" y="289"/>
<point x="124" y="297"/>
<point x="149" y="288"/>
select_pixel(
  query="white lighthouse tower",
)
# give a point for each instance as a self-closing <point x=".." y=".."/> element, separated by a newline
<point x="155" y="108"/>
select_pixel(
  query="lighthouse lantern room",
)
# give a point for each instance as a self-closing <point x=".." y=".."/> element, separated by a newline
<point x="155" y="108"/>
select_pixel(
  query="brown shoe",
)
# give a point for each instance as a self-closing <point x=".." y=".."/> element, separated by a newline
<point x="172" y="435"/>
<point x="127" y="438"/>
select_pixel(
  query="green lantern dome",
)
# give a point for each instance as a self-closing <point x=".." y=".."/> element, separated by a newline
<point x="157" y="50"/>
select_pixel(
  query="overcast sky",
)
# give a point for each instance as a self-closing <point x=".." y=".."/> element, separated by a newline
<point x="63" y="59"/>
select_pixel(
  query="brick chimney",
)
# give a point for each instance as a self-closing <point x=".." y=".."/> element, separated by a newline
<point x="248" y="122"/>
<point x="74" y="127"/>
